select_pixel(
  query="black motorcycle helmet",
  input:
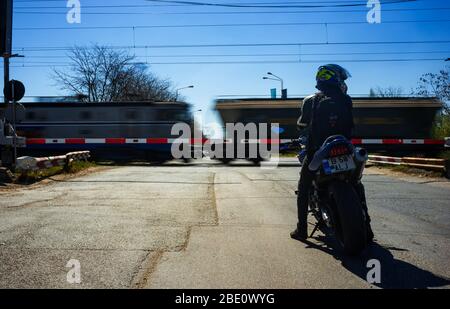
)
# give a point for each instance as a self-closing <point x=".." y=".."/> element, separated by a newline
<point x="331" y="76"/>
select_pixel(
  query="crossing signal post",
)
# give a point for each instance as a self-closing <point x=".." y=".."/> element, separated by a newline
<point x="13" y="90"/>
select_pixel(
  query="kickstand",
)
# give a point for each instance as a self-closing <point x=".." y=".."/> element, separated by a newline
<point x="315" y="229"/>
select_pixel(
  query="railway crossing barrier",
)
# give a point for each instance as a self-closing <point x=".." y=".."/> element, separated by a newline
<point x="32" y="164"/>
<point x="440" y="165"/>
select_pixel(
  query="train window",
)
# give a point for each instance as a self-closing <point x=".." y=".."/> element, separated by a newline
<point x="172" y="115"/>
<point x="131" y="114"/>
<point x="163" y="115"/>
<point x="30" y="116"/>
<point x="85" y="115"/>
<point x="85" y="132"/>
<point x="182" y="116"/>
<point x="42" y="116"/>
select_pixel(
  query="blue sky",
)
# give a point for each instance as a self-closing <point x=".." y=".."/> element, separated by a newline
<point x="212" y="80"/>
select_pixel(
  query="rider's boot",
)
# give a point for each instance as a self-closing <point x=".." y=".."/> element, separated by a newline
<point x="300" y="233"/>
<point x="370" y="235"/>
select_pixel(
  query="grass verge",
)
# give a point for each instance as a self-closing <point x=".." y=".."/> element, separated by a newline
<point x="288" y="154"/>
<point x="36" y="176"/>
<point x="410" y="170"/>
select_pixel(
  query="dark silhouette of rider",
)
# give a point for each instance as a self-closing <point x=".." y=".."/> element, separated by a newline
<point x="326" y="113"/>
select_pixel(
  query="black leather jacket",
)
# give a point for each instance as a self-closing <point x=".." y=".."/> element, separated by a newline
<point x="323" y="116"/>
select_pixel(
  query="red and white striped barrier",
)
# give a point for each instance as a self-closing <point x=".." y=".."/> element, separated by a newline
<point x="43" y="163"/>
<point x="440" y="165"/>
<point x="32" y="164"/>
<point x="78" y="155"/>
<point x="384" y="159"/>
<point x="122" y="140"/>
<point x="397" y="142"/>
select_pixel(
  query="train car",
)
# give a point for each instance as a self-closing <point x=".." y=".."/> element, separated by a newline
<point x="381" y="124"/>
<point x="116" y="130"/>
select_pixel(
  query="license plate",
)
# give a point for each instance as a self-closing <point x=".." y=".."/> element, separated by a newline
<point x="338" y="164"/>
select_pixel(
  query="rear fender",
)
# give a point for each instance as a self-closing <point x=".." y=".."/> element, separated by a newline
<point x="324" y="151"/>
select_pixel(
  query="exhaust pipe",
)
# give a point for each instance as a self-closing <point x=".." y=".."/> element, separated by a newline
<point x="361" y="155"/>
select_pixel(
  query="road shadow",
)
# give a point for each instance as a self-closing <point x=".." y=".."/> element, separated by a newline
<point x="395" y="273"/>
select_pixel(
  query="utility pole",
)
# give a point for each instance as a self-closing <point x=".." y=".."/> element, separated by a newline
<point x="6" y="24"/>
<point x="6" y="74"/>
<point x="5" y="52"/>
<point x="6" y="44"/>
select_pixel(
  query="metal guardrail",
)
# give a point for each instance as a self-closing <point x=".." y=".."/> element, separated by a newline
<point x="32" y="164"/>
<point x="440" y="165"/>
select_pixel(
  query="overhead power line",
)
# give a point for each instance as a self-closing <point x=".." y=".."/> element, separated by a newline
<point x="63" y="64"/>
<point x="233" y="12"/>
<point x="262" y="54"/>
<point x="242" y="5"/>
<point x="62" y="48"/>
<point x="168" y="3"/>
<point x="227" y="25"/>
<point x="277" y="2"/>
<point x="293" y="4"/>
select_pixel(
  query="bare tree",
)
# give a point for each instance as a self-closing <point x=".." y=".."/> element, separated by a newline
<point x="100" y="74"/>
<point x="390" y="92"/>
<point x="436" y="85"/>
<point x="142" y="85"/>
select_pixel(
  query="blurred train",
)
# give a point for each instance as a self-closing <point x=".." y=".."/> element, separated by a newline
<point x="113" y="130"/>
<point x="381" y="124"/>
<point x="123" y="130"/>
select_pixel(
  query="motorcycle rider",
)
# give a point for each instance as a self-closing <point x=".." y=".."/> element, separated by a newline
<point x="326" y="113"/>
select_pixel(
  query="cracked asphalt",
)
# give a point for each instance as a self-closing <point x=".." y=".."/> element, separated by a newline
<point x="206" y="225"/>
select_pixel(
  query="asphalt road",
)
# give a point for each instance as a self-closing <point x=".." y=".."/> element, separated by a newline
<point x="206" y="225"/>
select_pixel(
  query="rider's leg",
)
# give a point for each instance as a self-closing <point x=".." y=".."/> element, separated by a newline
<point x="304" y="185"/>
<point x="362" y="195"/>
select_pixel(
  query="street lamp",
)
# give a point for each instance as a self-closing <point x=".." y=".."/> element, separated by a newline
<point x="177" y="91"/>
<point x="276" y="78"/>
<point x="194" y="114"/>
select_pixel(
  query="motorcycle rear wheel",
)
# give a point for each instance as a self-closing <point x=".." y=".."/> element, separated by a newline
<point x="350" y="226"/>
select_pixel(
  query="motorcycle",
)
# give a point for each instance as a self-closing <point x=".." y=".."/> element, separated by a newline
<point x="335" y="200"/>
